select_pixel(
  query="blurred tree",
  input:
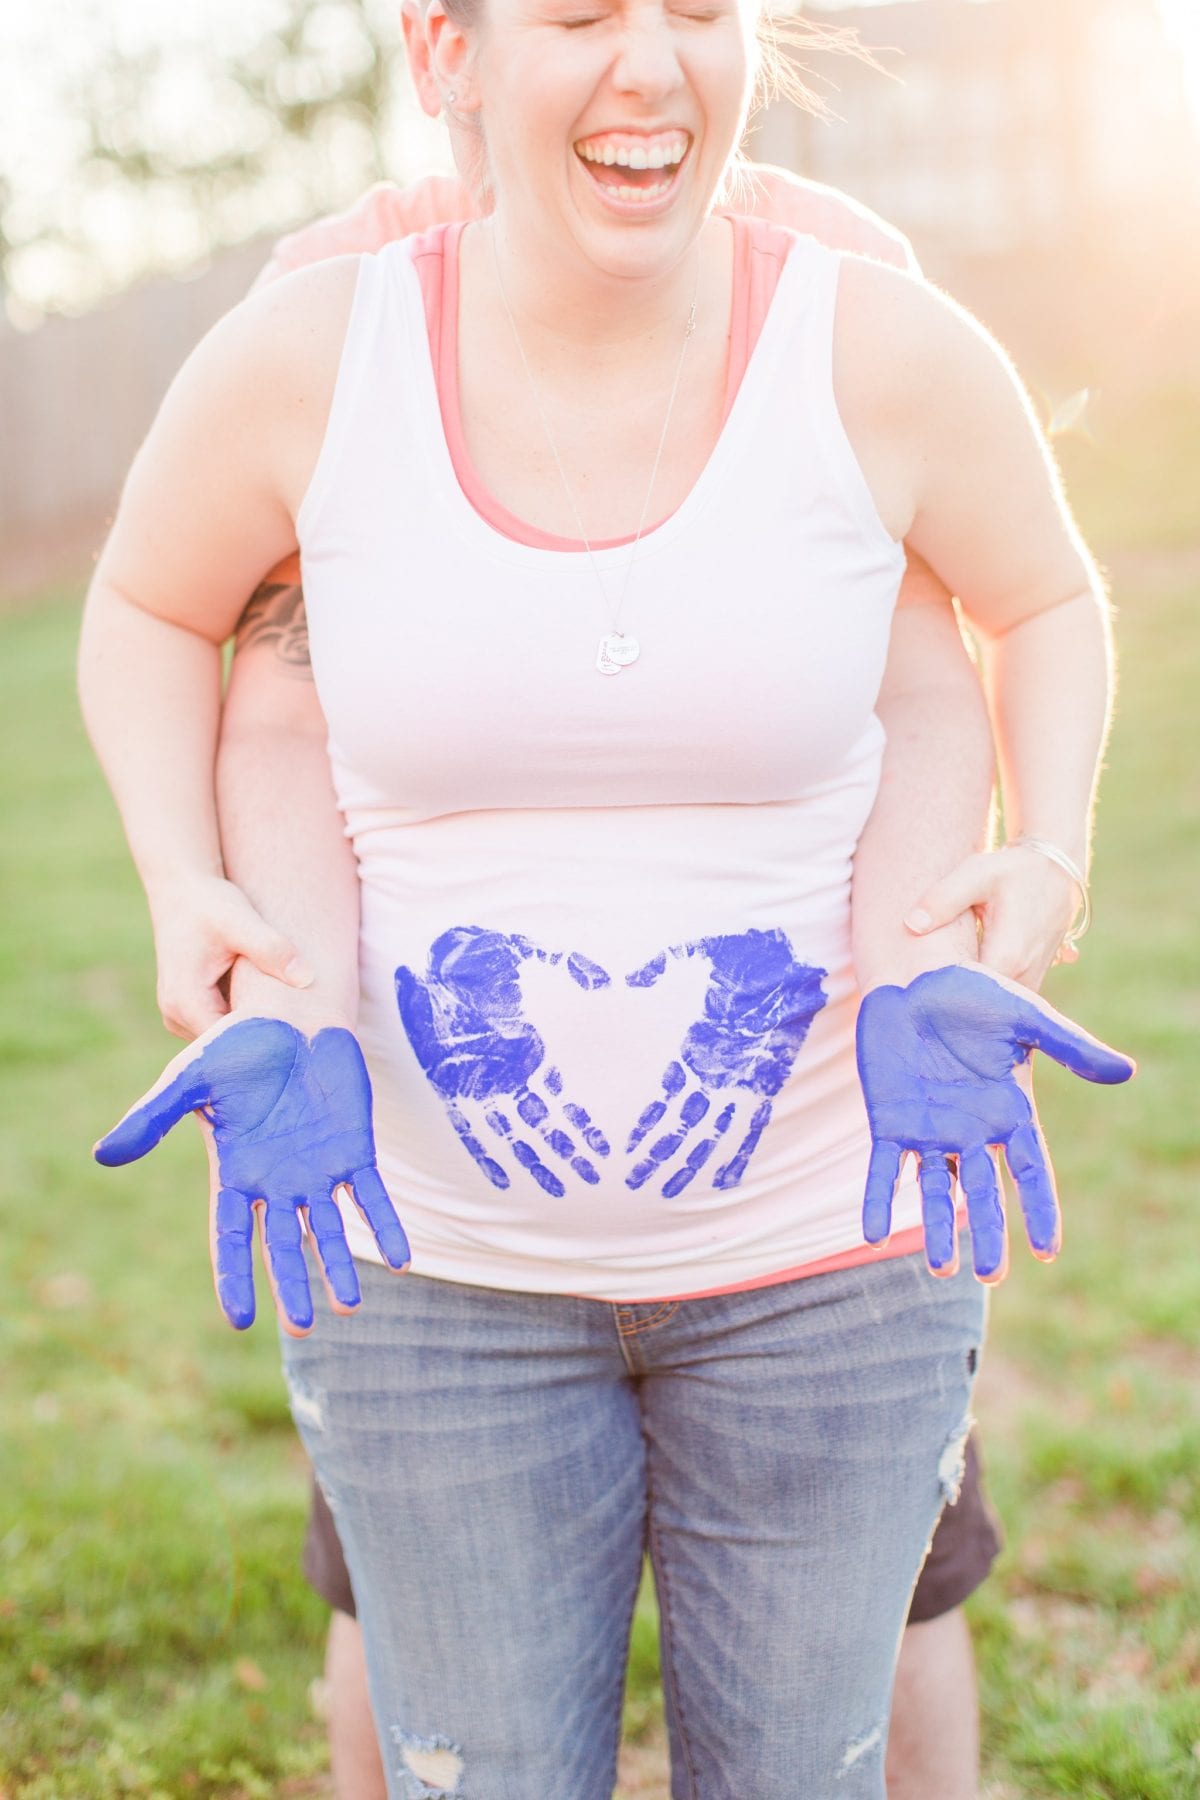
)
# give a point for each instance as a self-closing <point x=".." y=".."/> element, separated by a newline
<point x="198" y="137"/>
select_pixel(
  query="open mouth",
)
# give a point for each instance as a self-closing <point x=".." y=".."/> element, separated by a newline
<point x="632" y="168"/>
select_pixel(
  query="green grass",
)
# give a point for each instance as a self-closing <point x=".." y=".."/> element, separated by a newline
<point x="156" y="1639"/>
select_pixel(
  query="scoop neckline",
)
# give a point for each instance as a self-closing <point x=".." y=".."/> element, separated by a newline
<point x="466" y="519"/>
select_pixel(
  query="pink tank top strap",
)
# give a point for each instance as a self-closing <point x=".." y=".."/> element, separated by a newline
<point x="760" y="250"/>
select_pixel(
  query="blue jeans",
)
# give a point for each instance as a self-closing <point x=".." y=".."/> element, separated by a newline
<point x="498" y="1463"/>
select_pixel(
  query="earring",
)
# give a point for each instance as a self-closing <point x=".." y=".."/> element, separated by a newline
<point x="451" y="97"/>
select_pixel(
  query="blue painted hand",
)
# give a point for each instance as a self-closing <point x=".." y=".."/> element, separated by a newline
<point x="291" y="1123"/>
<point x="463" y="1019"/>
<point x="942" y="1063"/>
<point x="757" y="1010"/>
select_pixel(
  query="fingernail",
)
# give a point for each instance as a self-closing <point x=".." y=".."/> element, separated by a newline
<point x="299" y="973"/>
<point x="919" y="920"/>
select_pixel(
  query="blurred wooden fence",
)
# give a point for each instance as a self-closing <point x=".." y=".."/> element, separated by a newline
<point x="76" y="398"/>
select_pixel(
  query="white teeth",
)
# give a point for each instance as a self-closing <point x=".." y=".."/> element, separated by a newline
<point x="643" y="194"/>
<point x="660" y="156"/>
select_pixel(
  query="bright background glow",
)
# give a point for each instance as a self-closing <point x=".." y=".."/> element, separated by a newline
<point x="47" y="49"/>
<point x="1182" y="21"/>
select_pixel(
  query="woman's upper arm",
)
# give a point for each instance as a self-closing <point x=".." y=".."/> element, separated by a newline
<point x="209" y="502"/>
<point x="951" y="448"/>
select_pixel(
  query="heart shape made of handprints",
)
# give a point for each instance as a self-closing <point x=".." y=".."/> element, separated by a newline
<point x="727" y="1047"/>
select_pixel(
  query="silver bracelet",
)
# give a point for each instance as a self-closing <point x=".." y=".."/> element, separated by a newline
<point x="1069" y="867"/>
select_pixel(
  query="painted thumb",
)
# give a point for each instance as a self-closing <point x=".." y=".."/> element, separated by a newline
<point x="1069" y="1044"/>
<point x="147" y="1124"/>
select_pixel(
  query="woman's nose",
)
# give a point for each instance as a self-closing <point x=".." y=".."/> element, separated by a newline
<point x="647" y="62"/>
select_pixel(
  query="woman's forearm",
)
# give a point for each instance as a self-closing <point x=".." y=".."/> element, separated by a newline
<point x="1049" y="682"/>
<point x="150" y="693"/>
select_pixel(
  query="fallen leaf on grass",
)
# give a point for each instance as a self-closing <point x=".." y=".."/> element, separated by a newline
<point x="62" y="1292"/>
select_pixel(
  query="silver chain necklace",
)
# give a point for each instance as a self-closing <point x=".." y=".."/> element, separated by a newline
<point x="616" y="649"/>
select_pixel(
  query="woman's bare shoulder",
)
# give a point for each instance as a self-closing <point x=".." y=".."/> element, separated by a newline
<point x="292" y="330"/>
<point x="264" y="377"/>
<point x="900" y="340"/>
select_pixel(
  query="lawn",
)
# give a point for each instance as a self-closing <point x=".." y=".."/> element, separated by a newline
<point x="156" y="1639"/>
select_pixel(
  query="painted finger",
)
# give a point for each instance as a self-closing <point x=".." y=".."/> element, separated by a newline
<point x="731" y="1172"/>
<point x="230" y="1240"/>
<point x="694" y="1108"/>
<point x="375" y="1205"/>
<point x="1053" y="1033"/>
<point x="337" y="1265"/>
<point x="591" y="1134"/>
<point x="475" y="1150"/>
<point x="534" y="1111"/>
<point x="883" y="1172"/>
<point x="673" y="1082"/>
<point x="937" y="1213"/>
<point x="985" y="1209"/>
<point x="283" y="1248"/>
<point x="147" y="1123"/>
<point x="1030" y="1165"/>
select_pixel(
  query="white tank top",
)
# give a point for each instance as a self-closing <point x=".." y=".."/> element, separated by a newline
<point x="607" y="1001"/>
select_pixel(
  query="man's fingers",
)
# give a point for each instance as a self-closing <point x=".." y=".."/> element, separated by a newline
<point x="985" y="1209"/>
<point x="1053" y="1033"/>
<point x="883" y="1172"/>
<point x="284" y="1252"/>
<point x="937" y="1212"/>
<point x="232" y="1259"/>
<point x="147" y="1123"/>
<point x="956" y="893"/>
<point x="374" y="1203"/>
<point x="329" y="1235"/>
<point x="1030" y="1166"/>
<point x="268" y="949"/>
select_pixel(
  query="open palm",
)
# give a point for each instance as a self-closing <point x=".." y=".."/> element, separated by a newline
<point x="942" y="1068"/>
<point x="291" y="1123"/>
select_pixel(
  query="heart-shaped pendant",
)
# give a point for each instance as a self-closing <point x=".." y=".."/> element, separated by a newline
<point x="616" y="652"/>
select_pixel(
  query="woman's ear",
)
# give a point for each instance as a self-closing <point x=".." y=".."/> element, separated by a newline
<point x="413" y="24"/>
<point x="449" y="52"/>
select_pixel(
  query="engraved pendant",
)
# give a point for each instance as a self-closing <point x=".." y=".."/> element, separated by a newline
<point x="616" y="651"/>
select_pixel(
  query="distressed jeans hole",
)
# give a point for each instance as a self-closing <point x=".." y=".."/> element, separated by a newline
<point x="952" y="1463"/>
<point x="434" y="1765"/>
<point x="872" y="1744"/>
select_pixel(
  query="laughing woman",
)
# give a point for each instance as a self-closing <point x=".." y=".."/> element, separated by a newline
<point x="605" y="750"/>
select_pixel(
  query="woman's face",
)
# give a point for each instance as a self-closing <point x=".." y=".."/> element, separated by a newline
<point x="609" y="123"/>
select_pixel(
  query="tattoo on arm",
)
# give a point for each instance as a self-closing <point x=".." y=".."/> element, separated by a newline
<point x="275" y="616"/>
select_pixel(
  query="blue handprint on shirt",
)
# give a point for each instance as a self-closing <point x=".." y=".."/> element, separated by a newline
<point x="463" y="1019"/>
<point x="758" y="1007"/>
